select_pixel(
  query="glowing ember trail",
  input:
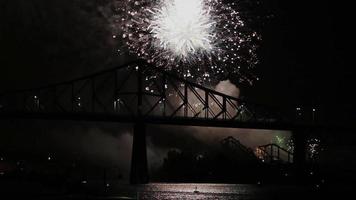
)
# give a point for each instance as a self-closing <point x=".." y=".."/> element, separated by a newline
<point x="202" y="40"/>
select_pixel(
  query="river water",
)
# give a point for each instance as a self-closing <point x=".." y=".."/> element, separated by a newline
<point x="159" y="191"/>
<point x="209" y="191"/>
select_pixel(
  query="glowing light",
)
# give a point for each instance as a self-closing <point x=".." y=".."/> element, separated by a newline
<point x="314" y="148"/>
<point x="183" y="27"/>
<point x="117" y="104"/>
<point x="201" y="40"/>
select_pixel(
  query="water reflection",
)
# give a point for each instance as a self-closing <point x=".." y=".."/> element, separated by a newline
<point x="207" y="191"/>
<point x="192" y="191"/>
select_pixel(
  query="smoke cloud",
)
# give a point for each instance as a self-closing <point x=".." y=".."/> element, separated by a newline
<point x="228" y="88"/>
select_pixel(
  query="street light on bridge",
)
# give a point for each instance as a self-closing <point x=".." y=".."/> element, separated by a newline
<point x="79" y="104"/>
<point x="36" y="101"/>
<point x="298" y="113"/>
<point x="314" y="113"/>
<point x="117" y="104"/>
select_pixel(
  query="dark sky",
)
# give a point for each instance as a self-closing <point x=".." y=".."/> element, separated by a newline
<point x="303" y="53"/>
<point x="304" y="58"/>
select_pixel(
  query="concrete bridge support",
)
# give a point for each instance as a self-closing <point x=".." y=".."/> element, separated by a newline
<point x="139" y="168"/>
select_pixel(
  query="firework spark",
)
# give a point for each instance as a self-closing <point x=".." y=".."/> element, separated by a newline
<point x="202" y="40"/>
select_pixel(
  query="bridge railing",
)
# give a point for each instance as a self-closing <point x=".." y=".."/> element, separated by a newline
<point x="274" y="153"/>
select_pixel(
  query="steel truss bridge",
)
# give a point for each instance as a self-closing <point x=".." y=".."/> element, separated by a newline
<point x="140" y="93"/>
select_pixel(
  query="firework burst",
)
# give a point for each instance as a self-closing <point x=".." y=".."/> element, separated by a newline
<point x="202" y="40"/>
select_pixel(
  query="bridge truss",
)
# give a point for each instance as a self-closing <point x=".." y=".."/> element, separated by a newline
<point x="138" y="91"/>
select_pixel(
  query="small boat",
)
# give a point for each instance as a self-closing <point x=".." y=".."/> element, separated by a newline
<point x="196" y="190"/>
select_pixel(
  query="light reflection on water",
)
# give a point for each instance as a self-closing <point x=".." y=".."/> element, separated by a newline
<point x="170" y="191"/>
<point x="205" y="191"/>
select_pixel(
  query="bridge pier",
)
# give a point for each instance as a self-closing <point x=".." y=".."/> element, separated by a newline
<point x="300" y="152"/>
<point x="139" y="168"/>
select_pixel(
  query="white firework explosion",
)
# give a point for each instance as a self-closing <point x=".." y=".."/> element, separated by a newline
<point x="203" y="40"/>
<point x="184" y="28"/>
